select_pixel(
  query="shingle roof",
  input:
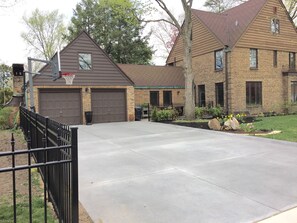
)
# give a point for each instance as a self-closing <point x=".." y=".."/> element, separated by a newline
<point x="231" y="24"/>
<point x="154" y="76"/>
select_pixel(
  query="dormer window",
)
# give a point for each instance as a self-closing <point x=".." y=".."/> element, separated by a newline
<point x="275" y="28"/>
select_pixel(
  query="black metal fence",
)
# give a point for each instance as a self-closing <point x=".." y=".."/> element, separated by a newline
<point x="54" y="149"/>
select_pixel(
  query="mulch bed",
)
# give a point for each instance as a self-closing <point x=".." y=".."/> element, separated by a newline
<point x="204" y="125"/>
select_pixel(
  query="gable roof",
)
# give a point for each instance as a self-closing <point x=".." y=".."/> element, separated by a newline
<point x="229" y="26"/>
<point x="104" y="71"/>
<point x="146" y="76"/>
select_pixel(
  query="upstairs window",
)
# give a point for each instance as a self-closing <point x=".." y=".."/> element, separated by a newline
<point x="85" y="61"/>
<point x="219" y="60"/>
<point x="253" y="58"/>
<point x="275" y="26"/>
<point x="292" y="60"/>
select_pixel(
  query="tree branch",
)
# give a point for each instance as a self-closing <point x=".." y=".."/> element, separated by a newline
<point x="164" y="7"/>
<point x="159" y="20"/>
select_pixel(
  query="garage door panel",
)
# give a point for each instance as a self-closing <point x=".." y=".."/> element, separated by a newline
<point x="108" y="105"/>
<point x="61" y="105"/>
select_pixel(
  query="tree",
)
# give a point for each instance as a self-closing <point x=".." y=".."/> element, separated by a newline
<point x="292" y="8"/>
<point x="7" y="3"/>
<point x="5" y="83"/>
<point x="165" y="35"/>
<point x="185" y="31"/>
<point x="221" y="5"/>
<point x="116" y="25"/>
<point x="45" y="33"/>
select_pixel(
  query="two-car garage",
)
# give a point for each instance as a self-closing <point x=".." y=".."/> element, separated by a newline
<point x="99" y="86"/>
<point x="65" y="105"/>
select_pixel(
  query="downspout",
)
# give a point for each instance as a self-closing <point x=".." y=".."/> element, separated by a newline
<point x="227" y="50"/>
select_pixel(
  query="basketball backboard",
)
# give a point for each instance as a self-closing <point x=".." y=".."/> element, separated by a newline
<point x="56" y="66"/>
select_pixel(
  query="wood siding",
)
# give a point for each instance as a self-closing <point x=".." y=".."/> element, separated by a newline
<point x="203" y="42"/>
<point x="103" y="73"/>
<point x="259" y="34"/>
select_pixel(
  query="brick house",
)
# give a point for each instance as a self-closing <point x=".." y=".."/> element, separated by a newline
<point x="157" y="85"/>
<point x="99" y="86"/>
<point x="244" y="59"/>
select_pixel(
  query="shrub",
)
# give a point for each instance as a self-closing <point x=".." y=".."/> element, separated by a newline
<point x="168" y="114"/>
<point x="5" y="120"/>
<point x="216" y="111"/>
<point x="212" y="111"/>
<point x="200" y="111"/>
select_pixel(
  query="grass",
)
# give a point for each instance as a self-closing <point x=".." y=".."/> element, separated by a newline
<point x="287" y="124"/>
<point x="22" y="207"/>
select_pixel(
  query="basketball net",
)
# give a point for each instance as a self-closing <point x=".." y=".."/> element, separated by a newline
<point x="68" y="78"/>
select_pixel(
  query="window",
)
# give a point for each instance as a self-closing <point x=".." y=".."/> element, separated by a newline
<point x="201" y="96"/>
<point x="294" y="91"/>
<point x="275" y="26"/>
<point x="254" y="93"/>
<point x="167" y="98"/>
<point x="254" y="58"/>
<point x="154" y="98"/>
<point x="219" y="60"/>
<point x="275" y="58"/>
<point x="292" y="60"/>
<point x="220" y="94"/>
<point x="85" y="61"/>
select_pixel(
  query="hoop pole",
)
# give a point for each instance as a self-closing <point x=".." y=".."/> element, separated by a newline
<point x="59" y="65"/>
<point x="32" y="107"/>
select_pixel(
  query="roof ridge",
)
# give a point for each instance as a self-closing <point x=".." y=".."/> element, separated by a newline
<point x="236" y="20"/>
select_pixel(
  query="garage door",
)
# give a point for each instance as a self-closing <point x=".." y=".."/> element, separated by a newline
<point x="61" y="105"/>
<point x="109" y="105"/>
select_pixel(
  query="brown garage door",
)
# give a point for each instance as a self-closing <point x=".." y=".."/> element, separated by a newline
<point x="61" y="105"/>
<point x="109" y="105"/>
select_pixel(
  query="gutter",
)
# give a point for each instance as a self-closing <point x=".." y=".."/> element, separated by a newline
<point x="159" y="87"/>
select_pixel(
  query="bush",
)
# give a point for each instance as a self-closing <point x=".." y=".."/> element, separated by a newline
<point x="7" y="92"/>
<point x="211" y="111"/>
<point x="216" y="111"/>
<point x="168" y="114"/>
<point x="5" y="120"/>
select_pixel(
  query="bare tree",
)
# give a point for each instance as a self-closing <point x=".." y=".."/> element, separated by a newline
<point x="165" y="35"/>
<point x="185" y="31"/>
<point x="221" y="5"/>
<point x="292" y="8"/>
<point x="44" y="33"/>
<point x="7" y="3"/>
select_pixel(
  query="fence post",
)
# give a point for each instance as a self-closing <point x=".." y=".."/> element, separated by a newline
<point x="29" y="144"/>
<point x="148" y="112"/>
<point x="74" y="175"/>
<point x="13" y="178"/>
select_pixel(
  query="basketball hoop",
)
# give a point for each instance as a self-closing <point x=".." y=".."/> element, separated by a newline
<point x="68" y="77"/>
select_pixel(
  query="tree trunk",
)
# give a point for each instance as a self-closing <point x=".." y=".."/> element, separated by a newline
<point x="189" y="109"/>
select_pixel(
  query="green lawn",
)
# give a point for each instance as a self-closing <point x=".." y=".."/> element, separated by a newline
<point x="287" y="124"/>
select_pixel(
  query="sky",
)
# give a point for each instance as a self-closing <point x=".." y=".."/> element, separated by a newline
<point x="12" y="47"/>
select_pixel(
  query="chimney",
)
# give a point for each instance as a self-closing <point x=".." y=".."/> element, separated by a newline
<point x="18" y="82"/>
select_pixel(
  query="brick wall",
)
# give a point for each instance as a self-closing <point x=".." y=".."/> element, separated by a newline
<point x="276" y="88"/>
<point x="143" y="96"/>
<point x="86" y="98"/>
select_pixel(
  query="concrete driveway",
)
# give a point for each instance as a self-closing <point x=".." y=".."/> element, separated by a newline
<point x="143" y="172"/>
